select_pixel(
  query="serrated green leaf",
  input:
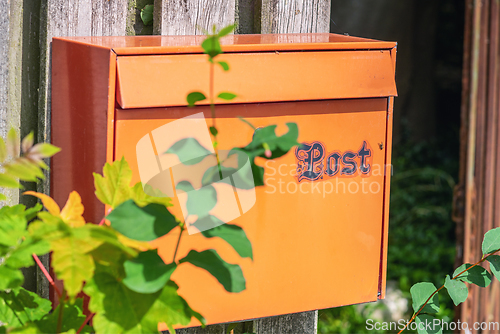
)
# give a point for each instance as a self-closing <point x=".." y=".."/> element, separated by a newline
<point x="476" y="275"/>
<point x="226" y="96"/>
<point x="229" y="275"/>
<point x="9" y="182"/>
<point x="19" y="306"/>
<point x="147" y="273"/>
<point x="10" y="278"/>
<point x="13" y="225"/>
<point x="144" y="224"/>
<point x="420" y="292"/>
<point x="72" y="319"/>
<point x="22" y="256"/>
<point x="491" y="241"/>
<point x="494" y="261"/>
<point x="456" y="289"/>
<point x="139" y="313"/>
<point x="226" y="30"/>
<point x="114" y="187"/>
<point x="211" y="46"/>
<point x="210" y="226"/>
<point x="194" y="97"/>
<point x="189" y="151"/>
<point x="147" y="15"/>
<point x="71" y="261"/>
<point x="142" y="199"/>
<point x="425" y="325"/>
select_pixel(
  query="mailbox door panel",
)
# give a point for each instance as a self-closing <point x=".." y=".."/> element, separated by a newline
<point x="316" y="243"/>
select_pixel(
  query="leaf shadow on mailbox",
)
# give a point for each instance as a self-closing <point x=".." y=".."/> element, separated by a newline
<point x="213" y="188"/>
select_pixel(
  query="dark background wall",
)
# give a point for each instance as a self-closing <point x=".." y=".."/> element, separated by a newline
<point x="429" y="60"/>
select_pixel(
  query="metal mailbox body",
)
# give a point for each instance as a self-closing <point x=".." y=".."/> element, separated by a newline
<point x="317" y="243"/>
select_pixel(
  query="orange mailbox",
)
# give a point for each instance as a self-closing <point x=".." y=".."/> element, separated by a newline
<point x="319" y="226"/>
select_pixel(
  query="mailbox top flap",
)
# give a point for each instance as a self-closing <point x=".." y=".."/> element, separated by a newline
<point x="154" y="45"/>
<point x="160" y="71"/>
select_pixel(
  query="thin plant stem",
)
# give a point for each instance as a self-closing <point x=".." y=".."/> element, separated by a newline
<point x="46" y="274"/>
<point x="442" y="286"/>
<point x="89" y="317"/>
<point x="178" y="241"/>
<point x="61" y="312"/>
<point x="212" y="111"/>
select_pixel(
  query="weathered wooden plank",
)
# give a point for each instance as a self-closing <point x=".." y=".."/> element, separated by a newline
<point x="190" y="17"/>
<point x="295" y="16"/>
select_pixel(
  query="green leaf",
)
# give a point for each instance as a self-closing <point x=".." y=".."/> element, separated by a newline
<point x="226" y="96"/>
<point x="494" y="261"/>
<point x="72" y="319"/>
<point x="10" y="278"/>
<point x="9" y="182"/>
<point x="491" y="241"/>
<point x="3" y="197"/>
<point x="43" y="150"/>
<point x="229" y="275"/>
<point x="25" y="171"/>
<point x="226" y="30"/>
<point x="147" y="273"/>
<point x="189" y="151"/>
<point x="143" y="224"/>
<point x="114" y="187"/>
<point x="142" y="199"/>
<point x="19" y="306"/>
<point x="214" y="131"/>
<point x="13" y="224"/>
<point x="3" y="150"/>
<point x="476" y="275"/>
<point x="425" y="325"/>
<point x="71" y="261"/>
<point x="224" y="65"/>
<point x="211" y="46"/>
<point x="27" y="142"/>
<point x="232" y="234"/>
<point x="13" y="143"/>
<point x="22" y="256"/>
<point x="279" y="146"/>
<point x="138" y="313"/>
<point x="147" y="15"/>
<point x="420" y="292"/>
<point x="194" y="97"/>
<point x="457" y="290"/>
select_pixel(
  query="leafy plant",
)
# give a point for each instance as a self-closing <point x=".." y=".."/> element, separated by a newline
<point x="424" y="294"/>
<point x="113" y="262"/>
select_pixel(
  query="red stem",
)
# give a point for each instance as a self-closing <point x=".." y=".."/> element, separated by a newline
<point x="102" y="221"/>
<point x="85" y="322"/>
<point x="47" y="275"/>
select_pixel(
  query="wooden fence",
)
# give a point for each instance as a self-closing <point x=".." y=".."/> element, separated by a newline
<point x="477" y="196"/>
<point x="26" y="31"/>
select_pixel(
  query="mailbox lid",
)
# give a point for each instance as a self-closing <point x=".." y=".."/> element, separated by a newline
<point x="155" y="45"/>
<point x="166" y="80"/>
